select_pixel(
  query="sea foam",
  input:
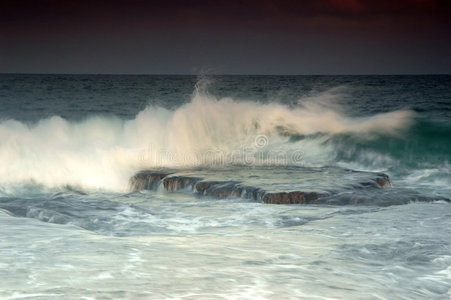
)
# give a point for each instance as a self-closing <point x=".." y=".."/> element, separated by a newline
<point x="103" y="152"/>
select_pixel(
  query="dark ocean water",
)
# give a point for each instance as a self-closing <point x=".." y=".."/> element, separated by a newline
<point x="71" y="228"/>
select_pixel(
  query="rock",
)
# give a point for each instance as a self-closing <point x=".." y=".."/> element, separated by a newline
<point x="296" y="197"/>
<point x="201" y="187"/>
<point x="146" y="180"/>
<point x="383" y="180"/>
<point x="293" y="185"/>
<point x="219" y="189"/>
<point x="175" y="183"/>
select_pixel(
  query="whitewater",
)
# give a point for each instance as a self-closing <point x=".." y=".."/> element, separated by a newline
<point x="72" y="227"/>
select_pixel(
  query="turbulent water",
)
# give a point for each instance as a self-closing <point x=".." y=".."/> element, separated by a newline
<point x="71" y="228"/>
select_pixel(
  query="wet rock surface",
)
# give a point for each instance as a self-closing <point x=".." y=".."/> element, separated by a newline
<point x="330" y="186"/>
<point x="146" y="180"/>
<point x="296" y="197"/>
<point x="175" y="183"/>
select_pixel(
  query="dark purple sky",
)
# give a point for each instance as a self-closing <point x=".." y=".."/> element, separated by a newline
<point x="226" y="37"/>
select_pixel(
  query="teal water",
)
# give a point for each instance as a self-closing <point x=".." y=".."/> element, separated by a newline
<point x="70" y="228"/>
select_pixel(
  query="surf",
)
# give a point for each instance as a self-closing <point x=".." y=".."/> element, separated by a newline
<point x="102" y="152"/>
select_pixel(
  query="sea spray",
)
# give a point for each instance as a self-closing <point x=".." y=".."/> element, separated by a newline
<point x="102" y="152"/>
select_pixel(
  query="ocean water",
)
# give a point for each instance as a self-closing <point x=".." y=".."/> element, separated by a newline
<point x="71" y="227"/>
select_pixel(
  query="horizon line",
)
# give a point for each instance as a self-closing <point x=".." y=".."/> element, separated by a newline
<point x="224" y="74"/>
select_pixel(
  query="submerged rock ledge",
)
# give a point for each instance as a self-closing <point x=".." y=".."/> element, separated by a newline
<point x="311" y="185"/>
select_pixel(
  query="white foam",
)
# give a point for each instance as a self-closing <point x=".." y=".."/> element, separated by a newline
<point x="103" y="152"/>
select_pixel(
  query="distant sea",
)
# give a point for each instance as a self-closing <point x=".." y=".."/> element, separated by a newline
<point x="71" y="226"/>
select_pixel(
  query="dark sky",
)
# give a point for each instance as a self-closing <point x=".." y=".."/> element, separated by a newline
<point x="226" y="37"/>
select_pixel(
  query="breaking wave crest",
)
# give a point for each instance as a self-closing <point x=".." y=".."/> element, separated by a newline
<point x="103" y="152"/>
